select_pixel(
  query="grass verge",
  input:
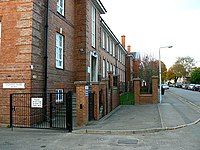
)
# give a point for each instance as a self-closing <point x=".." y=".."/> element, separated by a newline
<point x="127" y="98"/>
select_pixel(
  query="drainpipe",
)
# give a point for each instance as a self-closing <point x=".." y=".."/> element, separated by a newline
<point x="46" y="47"/>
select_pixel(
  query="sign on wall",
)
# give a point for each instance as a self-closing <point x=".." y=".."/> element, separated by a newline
<point x="13" y="85"/>
<point x="86" y="90"/>
<point x="36" y="102"/>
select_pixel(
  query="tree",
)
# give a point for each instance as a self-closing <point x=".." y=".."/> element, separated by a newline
<point x="188" y="63"/>
<point x="146" y="70"/>
<point x="177" y="71"/>
<point x="149" y="67"/>
<point x="195" y="76"/>
<point x="170" y="74"/>
<point x="164" y="71"/>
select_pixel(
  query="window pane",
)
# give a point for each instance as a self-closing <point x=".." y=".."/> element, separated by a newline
<point x="60" y="6"/>
<point x="93" y="26"/>
<point x="59" y="51"/>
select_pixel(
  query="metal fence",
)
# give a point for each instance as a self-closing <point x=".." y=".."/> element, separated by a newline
<point x="40" y="110"/>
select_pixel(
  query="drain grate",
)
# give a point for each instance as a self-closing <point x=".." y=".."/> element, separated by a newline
<point x="127" y="141"/>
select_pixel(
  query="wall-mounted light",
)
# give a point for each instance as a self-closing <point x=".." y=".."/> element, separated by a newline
<point x="31" y="66"/>
<point x="81" y="49"/>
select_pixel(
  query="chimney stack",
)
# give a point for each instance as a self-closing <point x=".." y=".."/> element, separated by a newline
<point x="129" y="48"/>
<point x="123" y="40"/>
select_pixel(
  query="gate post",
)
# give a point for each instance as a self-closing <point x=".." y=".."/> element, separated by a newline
<point x="137" y="90"/>
<point x="95" y="89"/>
<point x="81" y="103"/>
<point x="154" y="89"/>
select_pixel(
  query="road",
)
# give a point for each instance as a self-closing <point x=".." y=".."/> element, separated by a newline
<point x="27" y="139"/>
<point x="183" y="105"/>
<point x="186" y="138"/>
<point x="189" y="95"/>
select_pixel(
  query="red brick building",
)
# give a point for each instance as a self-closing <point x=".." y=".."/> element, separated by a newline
<point x="45" y="46"/>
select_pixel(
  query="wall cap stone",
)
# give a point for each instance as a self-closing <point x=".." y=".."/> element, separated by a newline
<point x="154" y="77"/>
<point x="80" y="82"/>
<point x="145" y="95"/>
<point x="105" y="79"/>
<point x="136" y="79"/>
<point x="94" y="82"/>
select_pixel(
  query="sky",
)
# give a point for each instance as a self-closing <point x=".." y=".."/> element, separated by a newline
<point x="151" y="24"/>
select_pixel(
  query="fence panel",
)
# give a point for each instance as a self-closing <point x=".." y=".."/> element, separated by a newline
<point x="40" y="110"/>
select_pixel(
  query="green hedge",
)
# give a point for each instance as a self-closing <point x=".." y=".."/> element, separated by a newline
<point x="127" y="98"/>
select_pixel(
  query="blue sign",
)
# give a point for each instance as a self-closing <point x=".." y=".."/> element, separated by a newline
<point x="86" y="90"/>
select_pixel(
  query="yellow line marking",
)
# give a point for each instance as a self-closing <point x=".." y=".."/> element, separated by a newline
<point x="194" y="106"/>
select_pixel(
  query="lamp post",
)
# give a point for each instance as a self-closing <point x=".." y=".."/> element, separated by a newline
<point x="160" y="77"/>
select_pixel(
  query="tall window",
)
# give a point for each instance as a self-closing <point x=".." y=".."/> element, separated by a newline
<point x="107" y="43"/>
<point x="107" y="66"/>
<point x="59" y="51"/>
<point x="93" y="26"/>
<point x="111" y="67"/>
<point x="118" y="54"/>
<point x="114" y="72"/>
<point x="59" y="95"/>
<point x="60" y="7"/>
<point x="111" y="47"/>
<point x="104" y="69"/>
<point x="103" y="40"/>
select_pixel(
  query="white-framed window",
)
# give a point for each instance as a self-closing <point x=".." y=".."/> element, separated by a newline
<point x="124" y="59"/>
<point x="118" y="56"/>
<point x="114" y="49"/>
<point x="111" y="67"/>
<point x="107" y="43"/>
<point x="111" y="47"/>
<point x="59" y="51"/>
<point x="59" y="95"/>
<point x="93" y="26"/>
<point x="60" y="6"/>
<point x="104" y="69"/>
<point x="114" y="70"/>
<point x="103" y="40"/>
<point x="107" y="66"/>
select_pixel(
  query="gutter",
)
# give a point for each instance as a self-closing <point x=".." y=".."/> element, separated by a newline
<point x="46" y="47"/>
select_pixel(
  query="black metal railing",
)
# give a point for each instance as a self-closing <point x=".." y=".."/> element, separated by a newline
<point x="40" y="110"/>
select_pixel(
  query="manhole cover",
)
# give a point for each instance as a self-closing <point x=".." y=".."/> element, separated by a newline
<point x="127" y="141"/>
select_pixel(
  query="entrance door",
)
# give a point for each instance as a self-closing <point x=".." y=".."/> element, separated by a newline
<point x="94" y="67"/>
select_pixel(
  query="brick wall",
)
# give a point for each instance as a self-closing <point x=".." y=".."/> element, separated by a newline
<point x="65" y="76"/>
<point x="15" y="50"/>
<point x="146" y="98"/>
<point x="80" y="40"/>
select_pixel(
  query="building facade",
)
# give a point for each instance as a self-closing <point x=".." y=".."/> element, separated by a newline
<point x="45" y="46"/>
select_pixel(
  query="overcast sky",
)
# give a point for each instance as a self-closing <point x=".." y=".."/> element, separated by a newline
<point x="151" y="24"/>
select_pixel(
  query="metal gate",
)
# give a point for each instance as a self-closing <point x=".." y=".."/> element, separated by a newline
<point x="91" y="106"/>
<point x="40" y="110"/>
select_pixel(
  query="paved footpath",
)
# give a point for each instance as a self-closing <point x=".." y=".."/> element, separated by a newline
<point x="170" y="114"/>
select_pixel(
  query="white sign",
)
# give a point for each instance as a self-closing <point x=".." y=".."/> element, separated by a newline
<point x="36" y="102"/>
<point x="86" y="87"/>
<point x="86" y="90"/>
<point x="13" y="85"/>
<point x="89" y="70"/>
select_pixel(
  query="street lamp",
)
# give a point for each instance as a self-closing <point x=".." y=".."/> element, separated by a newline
<point x="160" y="77"/>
